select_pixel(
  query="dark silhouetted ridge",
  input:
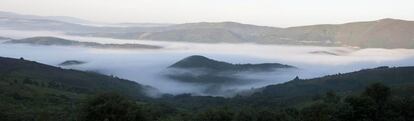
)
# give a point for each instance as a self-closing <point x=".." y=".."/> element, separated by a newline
<point x="197" y="61"/>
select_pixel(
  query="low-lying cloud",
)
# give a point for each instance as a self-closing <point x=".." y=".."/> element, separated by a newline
<point x="148" y="66"/>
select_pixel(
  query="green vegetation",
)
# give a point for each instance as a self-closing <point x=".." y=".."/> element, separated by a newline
<point x="34" y="91"/>
<point x="111" y="107"/>
<point x="400" y="79"/>
<point x="374" y="104"/>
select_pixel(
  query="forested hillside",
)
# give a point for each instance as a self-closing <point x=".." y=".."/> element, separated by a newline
<point x="30" y="90"/>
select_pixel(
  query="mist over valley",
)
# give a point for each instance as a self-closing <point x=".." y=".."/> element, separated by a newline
<point x="148" y="66"/>
<point x="206" y="60"/>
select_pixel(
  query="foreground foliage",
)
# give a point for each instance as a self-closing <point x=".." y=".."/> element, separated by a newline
<point x="374" y="104"/>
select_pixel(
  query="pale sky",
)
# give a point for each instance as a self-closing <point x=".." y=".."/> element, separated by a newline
<point x="279" y="13"/>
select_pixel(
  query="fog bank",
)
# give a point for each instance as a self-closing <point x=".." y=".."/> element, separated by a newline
<point x="147" y="66"/>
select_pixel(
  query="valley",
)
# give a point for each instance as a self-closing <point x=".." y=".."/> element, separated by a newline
<point x="61" y="68"/>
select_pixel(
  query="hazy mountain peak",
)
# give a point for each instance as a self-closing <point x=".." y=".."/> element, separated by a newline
<point x="214" y="23"/>
<point x="66" y="19"/>
<point x="198" y="61"/>
<point x="64" y="42"/>
<point x="43" y="40"/>
<point x="72" y="62"/>
<point x="390" y="20"/>
<point x="196" y="58"/>
<point x="225" y="24"/>
<point x="215" y="74"/>
<point x="4" y="38"/>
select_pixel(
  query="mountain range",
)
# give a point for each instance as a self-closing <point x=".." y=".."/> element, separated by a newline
<point x="64" y="42"/>
<point x="67" y="19"/>
<point x="384" y="33"/>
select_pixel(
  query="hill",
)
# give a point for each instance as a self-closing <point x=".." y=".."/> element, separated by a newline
<point x="399" y="79"/>
<point x="201" y="62"/>
<point x="32" y="89"/>
<point x="216" y="76"/>
<point x="4" y="38"/>
<point x="384" y="33"/>
<point x="227" y="32"/>
<point x="299" y="92"/>
<point x="72" y="62"/>
<point x="64" y="42"/>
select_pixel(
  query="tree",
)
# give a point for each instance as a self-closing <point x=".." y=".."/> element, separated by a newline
<point x="379" y="92"/>
<point x="111" y="107"/>
<point x="266" y="115"/>
<point x="215" y="114"/>
<point x="245" y="114"/>
<point x="318" y="112"/>
<point x="331" y="97"/>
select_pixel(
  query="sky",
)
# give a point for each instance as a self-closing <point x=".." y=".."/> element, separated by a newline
<point x="279" y="13"/>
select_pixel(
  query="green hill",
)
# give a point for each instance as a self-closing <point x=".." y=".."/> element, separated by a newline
<point x="399" y="79"/>
<point x="32" y="89"/>
<point x="197" y="61"/>
<point x="216" y="75"/>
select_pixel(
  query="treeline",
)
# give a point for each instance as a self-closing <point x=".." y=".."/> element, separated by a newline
<point x="375" y="103"/>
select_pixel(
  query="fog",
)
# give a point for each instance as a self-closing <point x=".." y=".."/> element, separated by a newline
<point x="148" y="66"/>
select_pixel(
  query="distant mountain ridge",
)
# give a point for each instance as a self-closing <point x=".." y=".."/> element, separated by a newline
<point x="64" y="42"/>
<point x="75" y="20"/>
<point x="384" y="33"/>
<point x="4" y="38"/>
